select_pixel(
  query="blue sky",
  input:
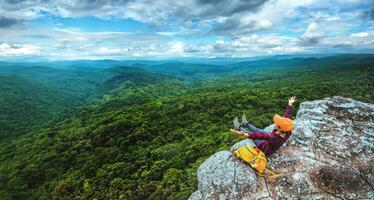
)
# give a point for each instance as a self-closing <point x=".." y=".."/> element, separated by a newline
<point x="164" y="29"/>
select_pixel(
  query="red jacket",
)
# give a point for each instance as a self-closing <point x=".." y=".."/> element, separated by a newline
<point x="272" y="141"/>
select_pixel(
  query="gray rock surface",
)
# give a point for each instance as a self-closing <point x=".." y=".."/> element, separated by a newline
<point x="222" y="176"/>
<point x="329" y="156"/>
<point x="242" y="143"/>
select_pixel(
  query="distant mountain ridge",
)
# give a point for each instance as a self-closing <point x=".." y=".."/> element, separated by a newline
<point x="107" y="63"/>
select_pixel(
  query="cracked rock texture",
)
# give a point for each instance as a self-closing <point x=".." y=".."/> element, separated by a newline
<point x="330" y="155"/>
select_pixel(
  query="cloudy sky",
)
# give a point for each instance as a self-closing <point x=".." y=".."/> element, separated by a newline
<point x="159" y="29"/>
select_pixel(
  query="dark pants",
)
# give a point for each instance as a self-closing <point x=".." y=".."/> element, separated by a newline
<point x="253" y="129"/>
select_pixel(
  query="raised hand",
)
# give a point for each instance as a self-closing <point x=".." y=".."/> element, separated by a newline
<point x="291" y="100"/>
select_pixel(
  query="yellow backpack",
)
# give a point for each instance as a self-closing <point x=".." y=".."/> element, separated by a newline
<point x="255" y="158"/>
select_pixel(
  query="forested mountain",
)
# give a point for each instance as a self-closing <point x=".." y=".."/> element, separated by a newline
<point x="32" y="96"/>
<point x="146" y="132"/>
<point x="79" y="82"/>
<point x="26" y="104"/>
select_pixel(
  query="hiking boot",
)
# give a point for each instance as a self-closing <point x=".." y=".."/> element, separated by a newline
<point x="244" y="119"/>
<point x="236" y="123"/>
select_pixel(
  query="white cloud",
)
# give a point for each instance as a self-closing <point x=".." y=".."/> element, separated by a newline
<point x="176" y="48"/>
<point x="7" y="50"/>
<point x="153" y="12"/>
<point x="220" y="42"/>
<point x="360" y="34"/>
<point x="356" y="40"/>
<point x="167" y="33"/>
<point x="246" y="46"/>
<point x="106" y="50"/>
<point x="207" y="28"/>
<point x="264" y="24"/>
<point x="285" y="49"/>
<point x="313" y="30"/>
<point x="312" y="35"/>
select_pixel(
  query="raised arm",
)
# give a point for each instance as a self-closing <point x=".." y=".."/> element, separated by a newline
<point x="288" y="112"/>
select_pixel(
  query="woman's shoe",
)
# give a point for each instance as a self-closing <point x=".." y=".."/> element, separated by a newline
<point x="236" y="123"/>
<point x="244" y="119"/>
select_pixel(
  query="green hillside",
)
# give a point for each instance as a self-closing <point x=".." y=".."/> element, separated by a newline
<point x="80" y="83"/>
<point x="146" y="140"/>
<point x="26" y="104"/>
<point x="31" y="97"/>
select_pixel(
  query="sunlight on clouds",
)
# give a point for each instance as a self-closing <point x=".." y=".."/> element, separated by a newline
<point x="105" y="50"/>
<point x="312" y="35"/>
<point x="18" y="50"/>
<point x="176" y="48"/>
<point x="360" y="34"/>
<point x="193" y="28"/>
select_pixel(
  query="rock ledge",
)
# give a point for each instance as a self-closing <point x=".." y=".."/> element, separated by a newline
<point x="329" y="156"/>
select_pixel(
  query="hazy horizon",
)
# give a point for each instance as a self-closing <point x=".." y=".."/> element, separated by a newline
<point x="185" y="59"/>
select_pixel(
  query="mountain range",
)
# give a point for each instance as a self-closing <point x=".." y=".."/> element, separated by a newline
<point x="139" y="129"/>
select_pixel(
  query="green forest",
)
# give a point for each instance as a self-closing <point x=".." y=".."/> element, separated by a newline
<point x="141" y="130"/>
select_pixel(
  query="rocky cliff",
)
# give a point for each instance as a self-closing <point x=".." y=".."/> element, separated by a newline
<point x="329" y="156"/>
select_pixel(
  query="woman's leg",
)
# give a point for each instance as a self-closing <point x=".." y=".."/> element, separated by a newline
<point x="239" y="127"/>
<point x="242" y="129"/>
<point x="254" y="129"/>
<point x="258" y="142"/>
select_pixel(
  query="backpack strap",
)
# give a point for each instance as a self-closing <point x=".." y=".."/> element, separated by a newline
<point x="274" y="175"/>
<point x="255" y="156"/>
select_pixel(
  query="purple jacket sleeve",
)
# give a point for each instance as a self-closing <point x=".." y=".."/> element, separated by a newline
<point x="288" y="112"/>
<point x="260" y="136"/>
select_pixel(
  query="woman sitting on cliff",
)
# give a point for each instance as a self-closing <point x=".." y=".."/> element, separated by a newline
<point x="268" y="142"/>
